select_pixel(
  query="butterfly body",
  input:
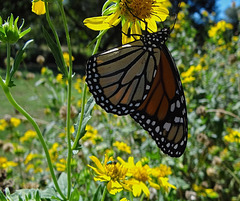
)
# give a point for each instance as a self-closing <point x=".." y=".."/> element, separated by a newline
<point x="141" y="79"/>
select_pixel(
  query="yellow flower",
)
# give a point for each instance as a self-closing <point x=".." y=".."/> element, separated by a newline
<point x="124" y="199"/>
<point x="112" y="173"/>
<point x="204" y="13"/>
<point x="3" y="124"/>
<point x="59" y="78"/>
<point x="77" y="85"/>
<point x="66" y="58"/>
<point x="122" y="146"/>
<point x="161" y="171"/>
<point x="61" y="165"/>
<point x="163" y="182"/>
<point x="15" y="121"/>
<point x="4" y="163"/>
<point x="233" y="136"/>
<point x="132" y="14"/>
<point x="43" y="70"/>
<point x="38" y="7"/>
<point x="205" y="192"/>
<point x="140" y="176"/>
<point x="91" y="135"/>
<point x="30" y="134"/>
<point x="30" y="157"/>
<point x="54" y="151"/>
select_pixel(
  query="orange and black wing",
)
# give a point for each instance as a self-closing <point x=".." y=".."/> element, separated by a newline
<point x="121" y="78"/>
<point x="163" y="113"/>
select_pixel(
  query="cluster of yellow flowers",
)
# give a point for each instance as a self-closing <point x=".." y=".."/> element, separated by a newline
<point x="12" y="122"/>
<point x="233" y="136"/>
<point x="137" y="178"/>
<point x="188" y="76"/>
<point x="91" y="135"/>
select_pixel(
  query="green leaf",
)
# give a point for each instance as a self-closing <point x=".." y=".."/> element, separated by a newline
<point x="57" y="53"/>
<point x="17" y="61"/>
<point x="75" y="195"/>
<point x="2" y="196"/>
<point x="86" y="117"/>
<point x="62" y="183"/>
<point x="97" y="194"/>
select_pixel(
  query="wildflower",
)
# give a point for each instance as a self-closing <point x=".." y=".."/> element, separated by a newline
<point x="91" y="135"/>
<point x="28" y="135"/>
<point x="15" y="122"/>
<point x="204" y="13"/>
<point x="77" y="85"/>
<point x="161" y="171"/>
<point x="38" y="7"/>
<point x="54" y="151"/>
<point x="61" y="165"/>
<point x="63" y="112"/>
<point x="140" y="176"/>
<point x="30" y="157"/>
<point x="9" y="32"/>
<point x="113" y="174"/>
<point x="163" y="182"/>
<point x="59" y="78"/>
<point x="233" y="136"/>
<point x="205" y="192"/>
<point x="3" y="124"/>
<point x="40" y="59"/>
<point x="4" y="163"/>
<point x="122" y="147"/>
<point x="132" y="14"/>
<point x="66" y="58"/>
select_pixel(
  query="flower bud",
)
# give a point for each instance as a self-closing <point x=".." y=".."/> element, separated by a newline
<point x="9" y="31"/>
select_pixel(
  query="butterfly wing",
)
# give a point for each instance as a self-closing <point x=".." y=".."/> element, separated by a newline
<point x="163" y="113"/>
<point x="120" y="78"/>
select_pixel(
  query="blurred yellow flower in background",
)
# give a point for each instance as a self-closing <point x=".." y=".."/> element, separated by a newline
<point x="122" y="147"/>
<point x="38" y="7"/>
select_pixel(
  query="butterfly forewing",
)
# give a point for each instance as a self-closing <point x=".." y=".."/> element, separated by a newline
<point x="120" y="78"/>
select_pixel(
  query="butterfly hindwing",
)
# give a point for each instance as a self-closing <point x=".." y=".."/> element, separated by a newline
<point x="163" y="113"/>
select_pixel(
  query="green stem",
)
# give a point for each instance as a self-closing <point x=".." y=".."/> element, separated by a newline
<point x="233" y="175"/>
<point x="142" y="197"/>
<point x="8" y="63"/>
<point x="84" y="95"/>
<point x="37" y="129"/>
<point x="78" y="136"/>
<point x="104" y="193"/>
<point x="69" y="95"/>
<point x="131" y="196"/>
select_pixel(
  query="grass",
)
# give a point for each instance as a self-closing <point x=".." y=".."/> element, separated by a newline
<point x="30" y="97"/>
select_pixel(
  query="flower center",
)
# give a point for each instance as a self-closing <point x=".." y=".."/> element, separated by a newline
<point x="140" y="174"/>
<point x="136" y="9"/>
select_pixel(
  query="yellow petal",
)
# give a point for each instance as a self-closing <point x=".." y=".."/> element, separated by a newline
<point x="114" y="187"/>
<point x="113" y="18"/>
<point x="38" y="7"/>
<point x="145" y="189"/>
<point x="97" y="23"/>
<point x="98" y="163"/>
<point x="152" y="26"/>
<point x="137" y="190"/>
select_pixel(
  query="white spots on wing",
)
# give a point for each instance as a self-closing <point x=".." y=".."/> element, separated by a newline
<point x="167" y="126"/>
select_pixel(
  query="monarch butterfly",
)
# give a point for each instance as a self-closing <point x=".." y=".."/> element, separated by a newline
<point x="141" y="79"/>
